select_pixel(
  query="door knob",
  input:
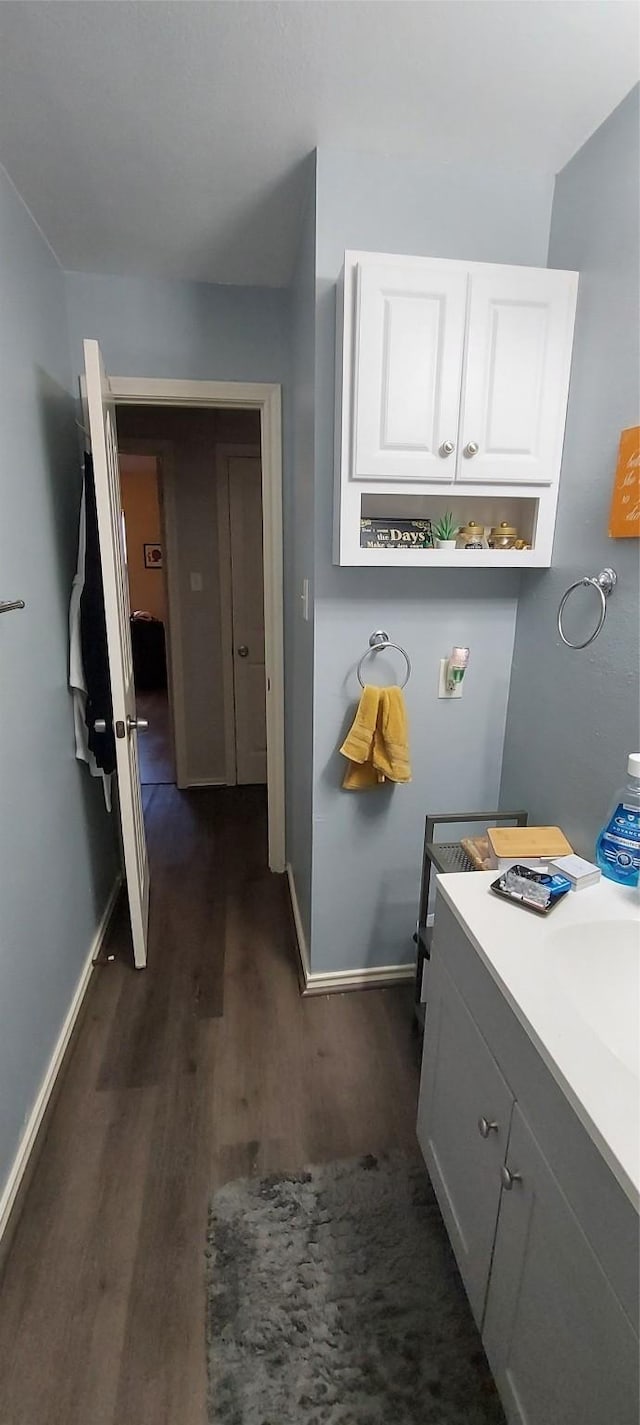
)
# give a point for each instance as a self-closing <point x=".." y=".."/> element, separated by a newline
<point x="509" y="1178"/>
<point x="471" y="448"/>
<point x="447" y="448"/>
<point x="485" y="1126"/>
<point x="137" y="724"/>
<point x="243" y="650"/>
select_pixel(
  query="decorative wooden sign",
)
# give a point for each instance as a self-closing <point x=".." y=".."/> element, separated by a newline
<point x="395" y="534"/>
<point x="624" y="519"/>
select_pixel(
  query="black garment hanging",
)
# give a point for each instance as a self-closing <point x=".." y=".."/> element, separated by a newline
<point x="93" y="632"/>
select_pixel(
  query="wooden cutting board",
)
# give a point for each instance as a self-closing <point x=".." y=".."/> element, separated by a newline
<point x="528" y="841"/>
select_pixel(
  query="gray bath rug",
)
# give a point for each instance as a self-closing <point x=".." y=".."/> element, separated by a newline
<point x="333" y="1299"/>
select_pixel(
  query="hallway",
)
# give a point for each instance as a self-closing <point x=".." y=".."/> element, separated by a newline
<point x="206" y="1067"/>
<point x="155" y="747"/>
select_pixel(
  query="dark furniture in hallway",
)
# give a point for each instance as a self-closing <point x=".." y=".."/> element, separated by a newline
<point x="149" y="654"/>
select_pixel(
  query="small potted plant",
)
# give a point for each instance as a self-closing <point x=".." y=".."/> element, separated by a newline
<point x="444" y="532"/>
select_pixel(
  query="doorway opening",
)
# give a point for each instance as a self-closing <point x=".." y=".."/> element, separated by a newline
<point x="191" y="487"/>
<point x="141" y="495"/>
<point x="217" y="572"/>
<point x="102" y="395"/>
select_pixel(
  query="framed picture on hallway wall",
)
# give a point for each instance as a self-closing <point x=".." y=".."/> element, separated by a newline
<point x="153" y="556"/>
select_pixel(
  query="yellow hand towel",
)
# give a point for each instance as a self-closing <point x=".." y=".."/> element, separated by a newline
<point x="358" y="744"/>
<point x="391" y="743"/>
<point x="377" y="744"/>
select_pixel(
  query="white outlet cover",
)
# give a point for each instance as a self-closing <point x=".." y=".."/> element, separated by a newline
<point x="443" y="691"/>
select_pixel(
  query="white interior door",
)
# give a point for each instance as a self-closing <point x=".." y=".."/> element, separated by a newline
<point x="102" y="429"/>
<point x="247" y="598"/>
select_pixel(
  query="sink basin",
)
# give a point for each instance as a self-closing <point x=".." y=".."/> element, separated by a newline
<point x="598" y="966"/>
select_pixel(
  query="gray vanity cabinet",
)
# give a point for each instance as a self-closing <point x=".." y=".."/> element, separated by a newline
<point x="560" y="1346"/>
<point x="463" y="1128"/>
<point x="545" y="1238"/>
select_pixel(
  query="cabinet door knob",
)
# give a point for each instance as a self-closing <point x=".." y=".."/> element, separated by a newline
<point x="471" y="448"/>
<point x="243" y="650"/>
<point x="509" y="1178"/>
<point x="447" y="448"/>
<point x="485" y="1126"/>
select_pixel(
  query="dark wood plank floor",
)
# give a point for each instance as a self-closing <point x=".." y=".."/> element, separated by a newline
<point x="205" y="1067"/>
<point x="155" y="748"/>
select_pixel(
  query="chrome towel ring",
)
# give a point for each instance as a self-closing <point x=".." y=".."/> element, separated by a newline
<point x="603" y="582"/>
<point x="379" y="640"/>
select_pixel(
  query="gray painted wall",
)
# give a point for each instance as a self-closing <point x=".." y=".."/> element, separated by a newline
<point x="573" y="716"/>
<point x="58" y="860"/>
<point x="367" y="849"/>
<point x="190" y="330"/>
<point x="299" y="560"/>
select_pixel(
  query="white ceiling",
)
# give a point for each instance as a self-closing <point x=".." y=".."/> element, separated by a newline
<point x="167" y="138"/>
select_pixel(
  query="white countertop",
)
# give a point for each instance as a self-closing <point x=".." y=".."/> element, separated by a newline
<point x="556" y="997"/>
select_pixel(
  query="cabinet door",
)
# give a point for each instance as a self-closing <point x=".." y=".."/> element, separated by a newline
<point x="517" y="375"/>
<point x="559" y="1343"/>
<point x="408" y="369"/>
<point x="464" y="1114"/>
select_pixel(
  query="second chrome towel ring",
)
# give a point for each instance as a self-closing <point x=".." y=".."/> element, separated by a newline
<point x="603" y="582"/>
<point x="379" y="640"/>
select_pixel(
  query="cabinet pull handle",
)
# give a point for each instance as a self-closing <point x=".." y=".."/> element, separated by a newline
<point x="486" y="1126"/>
<point x="509" y="1178"/>
<point x="471" y="448"/>
<point x="447" y="448"/>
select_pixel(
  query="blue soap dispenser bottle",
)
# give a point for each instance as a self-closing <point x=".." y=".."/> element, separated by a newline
<point x="618" y="845"/>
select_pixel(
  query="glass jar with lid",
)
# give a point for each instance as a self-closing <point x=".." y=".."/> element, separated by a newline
<point x="472" y="536"/>
<point x="503" y="536"/>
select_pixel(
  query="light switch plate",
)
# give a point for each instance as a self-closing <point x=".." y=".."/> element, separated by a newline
<point x="195" y="580"/>
<point x="443" y="691"/>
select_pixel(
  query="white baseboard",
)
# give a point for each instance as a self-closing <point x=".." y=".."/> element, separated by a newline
<point x="30" y="1136"/>
<point x="301" y="940"/>
<point x="373" y="977"/>
<point x="337" y="981"/>
<point x="203" y="782"/>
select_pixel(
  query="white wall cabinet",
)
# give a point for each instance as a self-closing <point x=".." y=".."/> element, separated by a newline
<point x="452" y="382"/>
<point x="408" y="370"/>
<point x="545" y="1251"/>
<point x="518" y="354"/>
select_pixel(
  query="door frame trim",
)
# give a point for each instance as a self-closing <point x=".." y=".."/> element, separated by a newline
<point x="266" y="398"/>
<point x="224" y="452"/>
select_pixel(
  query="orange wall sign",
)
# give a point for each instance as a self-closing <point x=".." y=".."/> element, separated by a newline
<point x="624" y="519"/>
